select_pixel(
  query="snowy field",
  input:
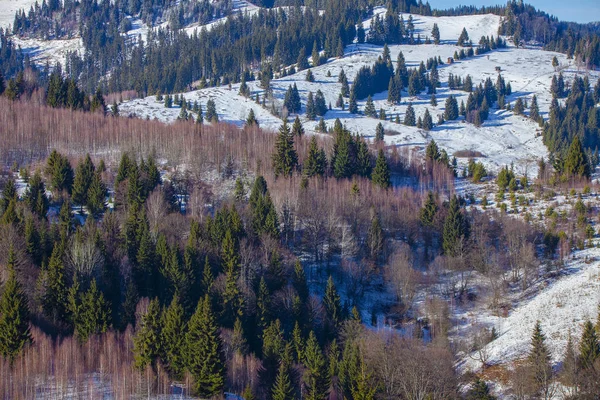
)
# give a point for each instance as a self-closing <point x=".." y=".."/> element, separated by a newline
<point x="8" y="8"/>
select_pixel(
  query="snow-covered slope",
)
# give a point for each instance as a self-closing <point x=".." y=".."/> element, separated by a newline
<point x="8" y="8"/>
<point x="562" y="306"/>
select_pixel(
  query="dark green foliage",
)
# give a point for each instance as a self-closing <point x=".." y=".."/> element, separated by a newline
<point x="251" y="119"/>
<point x="332" y="303"/>
<point x="455" y="229"/>
<point x="394" y="92"/>
<point x="14" y="314"/>
<point x="429" y="211"/>
<point x="211" y="111"/>
<point x="352" y="106"/>
<point x="381" y="172"/>
<point x="451" y="109"/>
<point x="96" y="195"/>
<point x="409" y="117"/>
<point x="264" y="215"/>
<point x="89" y="311"/>
<point x="54" y="299"/>
<point x="576" y="162"/>
<point x="463" y="38"/>
<point x="316" y="160"/>
<point x="147" y="340"/>
<point x="285" y="158"/>
<point x="311" y="111"/>
<point x="35" y="196"/>
<point x="379" y="132"/>
<point x="435" y="34"/>
<point x="309" y="76"/>
<point x="173" y="328"/>
<point x="283" y="388"/>
<point x="427" y="121"/>
<point x="9" y="193"/>
<point x="479" y="391"/>
<point x="316" y="377"/>
<point x="84" y="174"/>
<point x="203" y="350"/>
<point x="589" y="346"/>
<point x="539" y="360"/>
<point x="292" y="100"/>
<point x="60" y="172"/>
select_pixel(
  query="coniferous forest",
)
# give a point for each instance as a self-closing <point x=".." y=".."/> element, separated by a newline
<point x="206" y="260"/>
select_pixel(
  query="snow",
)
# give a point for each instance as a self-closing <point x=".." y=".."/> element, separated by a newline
<point x="563" y="306"/>
<point x="8" y="8"/>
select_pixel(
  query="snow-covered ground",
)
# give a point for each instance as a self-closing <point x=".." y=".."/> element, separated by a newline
<point x="8" y="8"/>
<point x="562" y="306"/>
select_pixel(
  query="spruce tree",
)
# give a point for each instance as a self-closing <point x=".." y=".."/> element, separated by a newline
<point x="381" y="172"/>
<point x="479" y="391"/>
<point x="409" y="117"/>
<point x="427" y="121"/>
<point x="283" y="388"/>
<point x="435" y="34"/>
<point x="455" y="229"/>
<point x="311" y="111"/>
<point x="316" y="160"/>
<point x="332" y="303"/>
<point x="451" y="111"/>
<point x="84" y="174"/>
<point x="364" y="161"/>
<point x="352" y="105"/>
<point x="309" y="76"/>
<point x="463" y="38"/>
<point x="285" y="158"/>
<point x="89" y="311"/>
<point x="375" y="237"/>
<point x="173" y="328"/>
<point x="203" y="350"/>
<point x="589" y="346"/>
<point x="211" y="111"/>
<point x="394" y="92"/>
<point x="576" y="163"/>
<point x="251" y="119"/>
<point x="147" y="340"/>
<point x="8" y="193"/>
<point x="96" y="195"/>
<point x="429" y="210"/>
<point x="539" y="362"/>
<point x="54" y="299"/>
<point x="316" y="377"/>
<point x="297" y="128"/>
<point x="379" y="132"/>
<point x="35" y="196"/>
<point x="14" y="314"/>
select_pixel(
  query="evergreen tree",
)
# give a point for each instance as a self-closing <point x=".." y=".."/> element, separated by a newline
<point x="429" y="210"/>
<point x="88" y="310"/>
<point x="435" y="34"/>
<point x="251" y="119"/>
<point x="409" y="117"/>
<point x="316" y="376"/>
<point x="433" y="100"/>
<point x="147" y="340"/>
<point x="244" y="90"/>
<point x="60" y="172"/>
<point x="316" y="160"/>
<point x="285" y="158"/>
<point x="370" y="108"/>
<point x="205" y="360"/>
<point x="84" y="174"/>
<point x="35" y="196"/>
<point x="539" y="362"/>
<point x="519" y="107"/>
<point x="297" y="128"/>
<point x="479" y="391"/>
<point x="379" y="133"/>
<point x="576" y="162"/>
<point x="331" y="302"/>
<point x="14" y="314"/>
<point x="9" y="193"/>
<point x="311" y="111"/>
<point x="394" y="92"/>
<point x="211" y="111"/>
<point x="96" y="195"/>
<point x="363" y="165"/>
<point x="463" y="38"/>
<point x="455" y="229"/>
<point x="427" y="121"/>
<point x="534" y="111"/>
<point x="283" y="388"/>
<point x="173" y="339"/>
<point x="309" y="76"/>
<point x="352" y="105"/>
<point x="375" y="237"/>
<point x="589" y="346"/>
<point x="451" y="109"/>
<point x="54" y="299"/>
<point x="381" y="173"/>
<point x="320" y="104"/>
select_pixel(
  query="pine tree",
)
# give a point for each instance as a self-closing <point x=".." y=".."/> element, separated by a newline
<point x="463" y="38"/>
<point x="316" y="376"/>
<point x="409" y="117"/>
<point x="352" y="105"/>
<point x="451" y="111"/>
<point x="427" y="121"/>
<point x="309" y="76"/>
<point x="285" y="158"/>
<point x="54" y="299"/>
<point x="9" y="193"/>
<point x="173" y="329"/>
<point x="311" y="111"/>
<point x="89" y="311"/>
<point x="435" y="34"/>
<point x="316" y="58"/>
<point x="297" y="128"/>
<point x="211" y="111"/>
<point x="589" y="346"/>
<point x="205" y="360"/>
<point x="379" y="133"/>
<point x="35" y="196"/>
<point x="539" y="362"/>
<point x="316" y="160"/>
<point x="429" y="210"/>
<point x="364" y="161"/>
<point x="519" y="107"/>
<point x="455" y="229"/>
<point x="394" y="92"/>
<point x="251" y="119"/>
<point x="381" y="172"/>
<point x="479" y="391"/>
<point x="84" y="174"/>
<point x="576" y="162"/>
<point x="147" y="340"/>
<point x="283" y="388"/>
<point x="375" y="237"/>
<point x="244" y="90"/>
<point x="433" y="100"/>
<point x="331" y="302"/>
<point x="14" y="314"/>
<point x="96" y="195"/>
<point x="207" y="277"/>
<point x="60" y="172"/>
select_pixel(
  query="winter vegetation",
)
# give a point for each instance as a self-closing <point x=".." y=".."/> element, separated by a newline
<point x="296" y="199"/>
